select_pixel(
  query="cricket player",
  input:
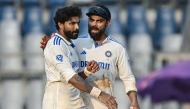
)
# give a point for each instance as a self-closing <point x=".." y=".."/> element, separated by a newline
<point x="61" y="65"/>
<point x="111" y="56"/>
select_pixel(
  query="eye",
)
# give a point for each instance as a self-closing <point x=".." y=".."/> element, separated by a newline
<point x="90" y="20"/>
<point x="99" y="21"/>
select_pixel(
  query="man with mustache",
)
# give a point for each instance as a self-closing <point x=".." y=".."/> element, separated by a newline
<point x="111" y="56"/>
<point x="61" y="65"/>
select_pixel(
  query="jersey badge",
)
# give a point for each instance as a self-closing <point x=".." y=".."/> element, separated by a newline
<point x="108" y="53"/>
<point x="59" y="58"/>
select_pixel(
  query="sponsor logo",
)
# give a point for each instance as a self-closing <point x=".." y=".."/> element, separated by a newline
<point x="83" y="52"/>
<point x="102" y="65"/>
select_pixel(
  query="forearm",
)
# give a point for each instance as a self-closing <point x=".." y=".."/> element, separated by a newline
<point x="133" y="96"/>
<point x="80" y="83"/>
<point x="82" y="75"/>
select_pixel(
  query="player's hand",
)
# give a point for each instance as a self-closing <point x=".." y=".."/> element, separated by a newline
<point x="134" y="102"/>
<point x="92" y="66"/>
<point x="134" y="106"/>
<point x="108" y="100"/>
<point x="44" y="41"/>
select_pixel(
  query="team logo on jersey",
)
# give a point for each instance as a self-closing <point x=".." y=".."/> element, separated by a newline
<point x="108" y="53"/>
<point x="59" y="58"/>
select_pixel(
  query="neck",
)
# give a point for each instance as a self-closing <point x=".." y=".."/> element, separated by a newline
<point x="102" y="38"/>
<point x="64" y="36"/>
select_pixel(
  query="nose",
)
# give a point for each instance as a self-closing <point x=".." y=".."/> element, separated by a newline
<point x="77" y="26"/>
<point x="94" y="23"/>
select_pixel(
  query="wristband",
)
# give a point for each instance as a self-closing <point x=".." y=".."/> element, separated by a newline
<point x="95" y="92"/>
<point x="86" y="72"/>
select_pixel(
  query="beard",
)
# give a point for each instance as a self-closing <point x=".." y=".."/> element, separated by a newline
<point x="71" y="34"/>
<point x="95" y="36"/>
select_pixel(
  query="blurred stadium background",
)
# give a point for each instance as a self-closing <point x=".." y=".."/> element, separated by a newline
<point x="155" y="32"/>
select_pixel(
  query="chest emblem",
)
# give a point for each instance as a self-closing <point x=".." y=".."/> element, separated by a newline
<point x="59" y="58"/>
<point x="108" y="53"/>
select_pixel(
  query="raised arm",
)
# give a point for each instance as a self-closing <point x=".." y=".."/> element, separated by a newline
<point x="90" y="68"/>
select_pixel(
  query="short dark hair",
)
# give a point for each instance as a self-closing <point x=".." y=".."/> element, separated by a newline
<point x="64" y="14"/>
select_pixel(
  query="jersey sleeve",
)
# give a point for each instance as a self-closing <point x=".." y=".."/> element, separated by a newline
<point x="125" y="72"/>
<point x="61" y="62"/>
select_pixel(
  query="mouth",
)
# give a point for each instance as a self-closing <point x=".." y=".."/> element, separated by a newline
<point x="76" y="32"/>
<point x="94" y="30"/>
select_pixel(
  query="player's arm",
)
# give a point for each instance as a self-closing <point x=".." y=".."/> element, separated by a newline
<point x="82" y="75"/>
<point x="91" y="68"/>
<point x="127" y="77"/>
<point x="83" y="85"/>
<point x="61" y="61"/>
<point x="133" y="97"/>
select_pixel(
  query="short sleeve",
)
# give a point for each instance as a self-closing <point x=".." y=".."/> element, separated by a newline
<point x="61" y="62"/>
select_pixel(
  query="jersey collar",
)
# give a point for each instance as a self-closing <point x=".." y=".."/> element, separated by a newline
<point x="96" y="44"/>
<point x="66" y="41"/>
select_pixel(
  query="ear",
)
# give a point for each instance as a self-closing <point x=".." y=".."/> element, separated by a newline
<point x="108" y="24"/>
<point x="60" y="25"/>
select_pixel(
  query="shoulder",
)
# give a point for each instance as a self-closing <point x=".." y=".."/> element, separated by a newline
<point x="117" y="46"/>
<point x="81" y="39"/>
<point x="115" y="42"/>
<point x="55" y="42"/>
<point x="83" y="36"/>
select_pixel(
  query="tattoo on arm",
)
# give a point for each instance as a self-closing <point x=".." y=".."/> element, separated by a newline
<point x="80" y="83"/>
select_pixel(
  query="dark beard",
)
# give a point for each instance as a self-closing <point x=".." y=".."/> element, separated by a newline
<point x="95" y="36"/>
<point x="71" y="35"/>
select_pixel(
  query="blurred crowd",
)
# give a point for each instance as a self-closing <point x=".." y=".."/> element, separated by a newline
<point x="153" y="32"/>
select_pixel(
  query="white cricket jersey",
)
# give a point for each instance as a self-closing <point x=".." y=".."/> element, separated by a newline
<point x="112" y="59"/>
<point x="61" y="64"/>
